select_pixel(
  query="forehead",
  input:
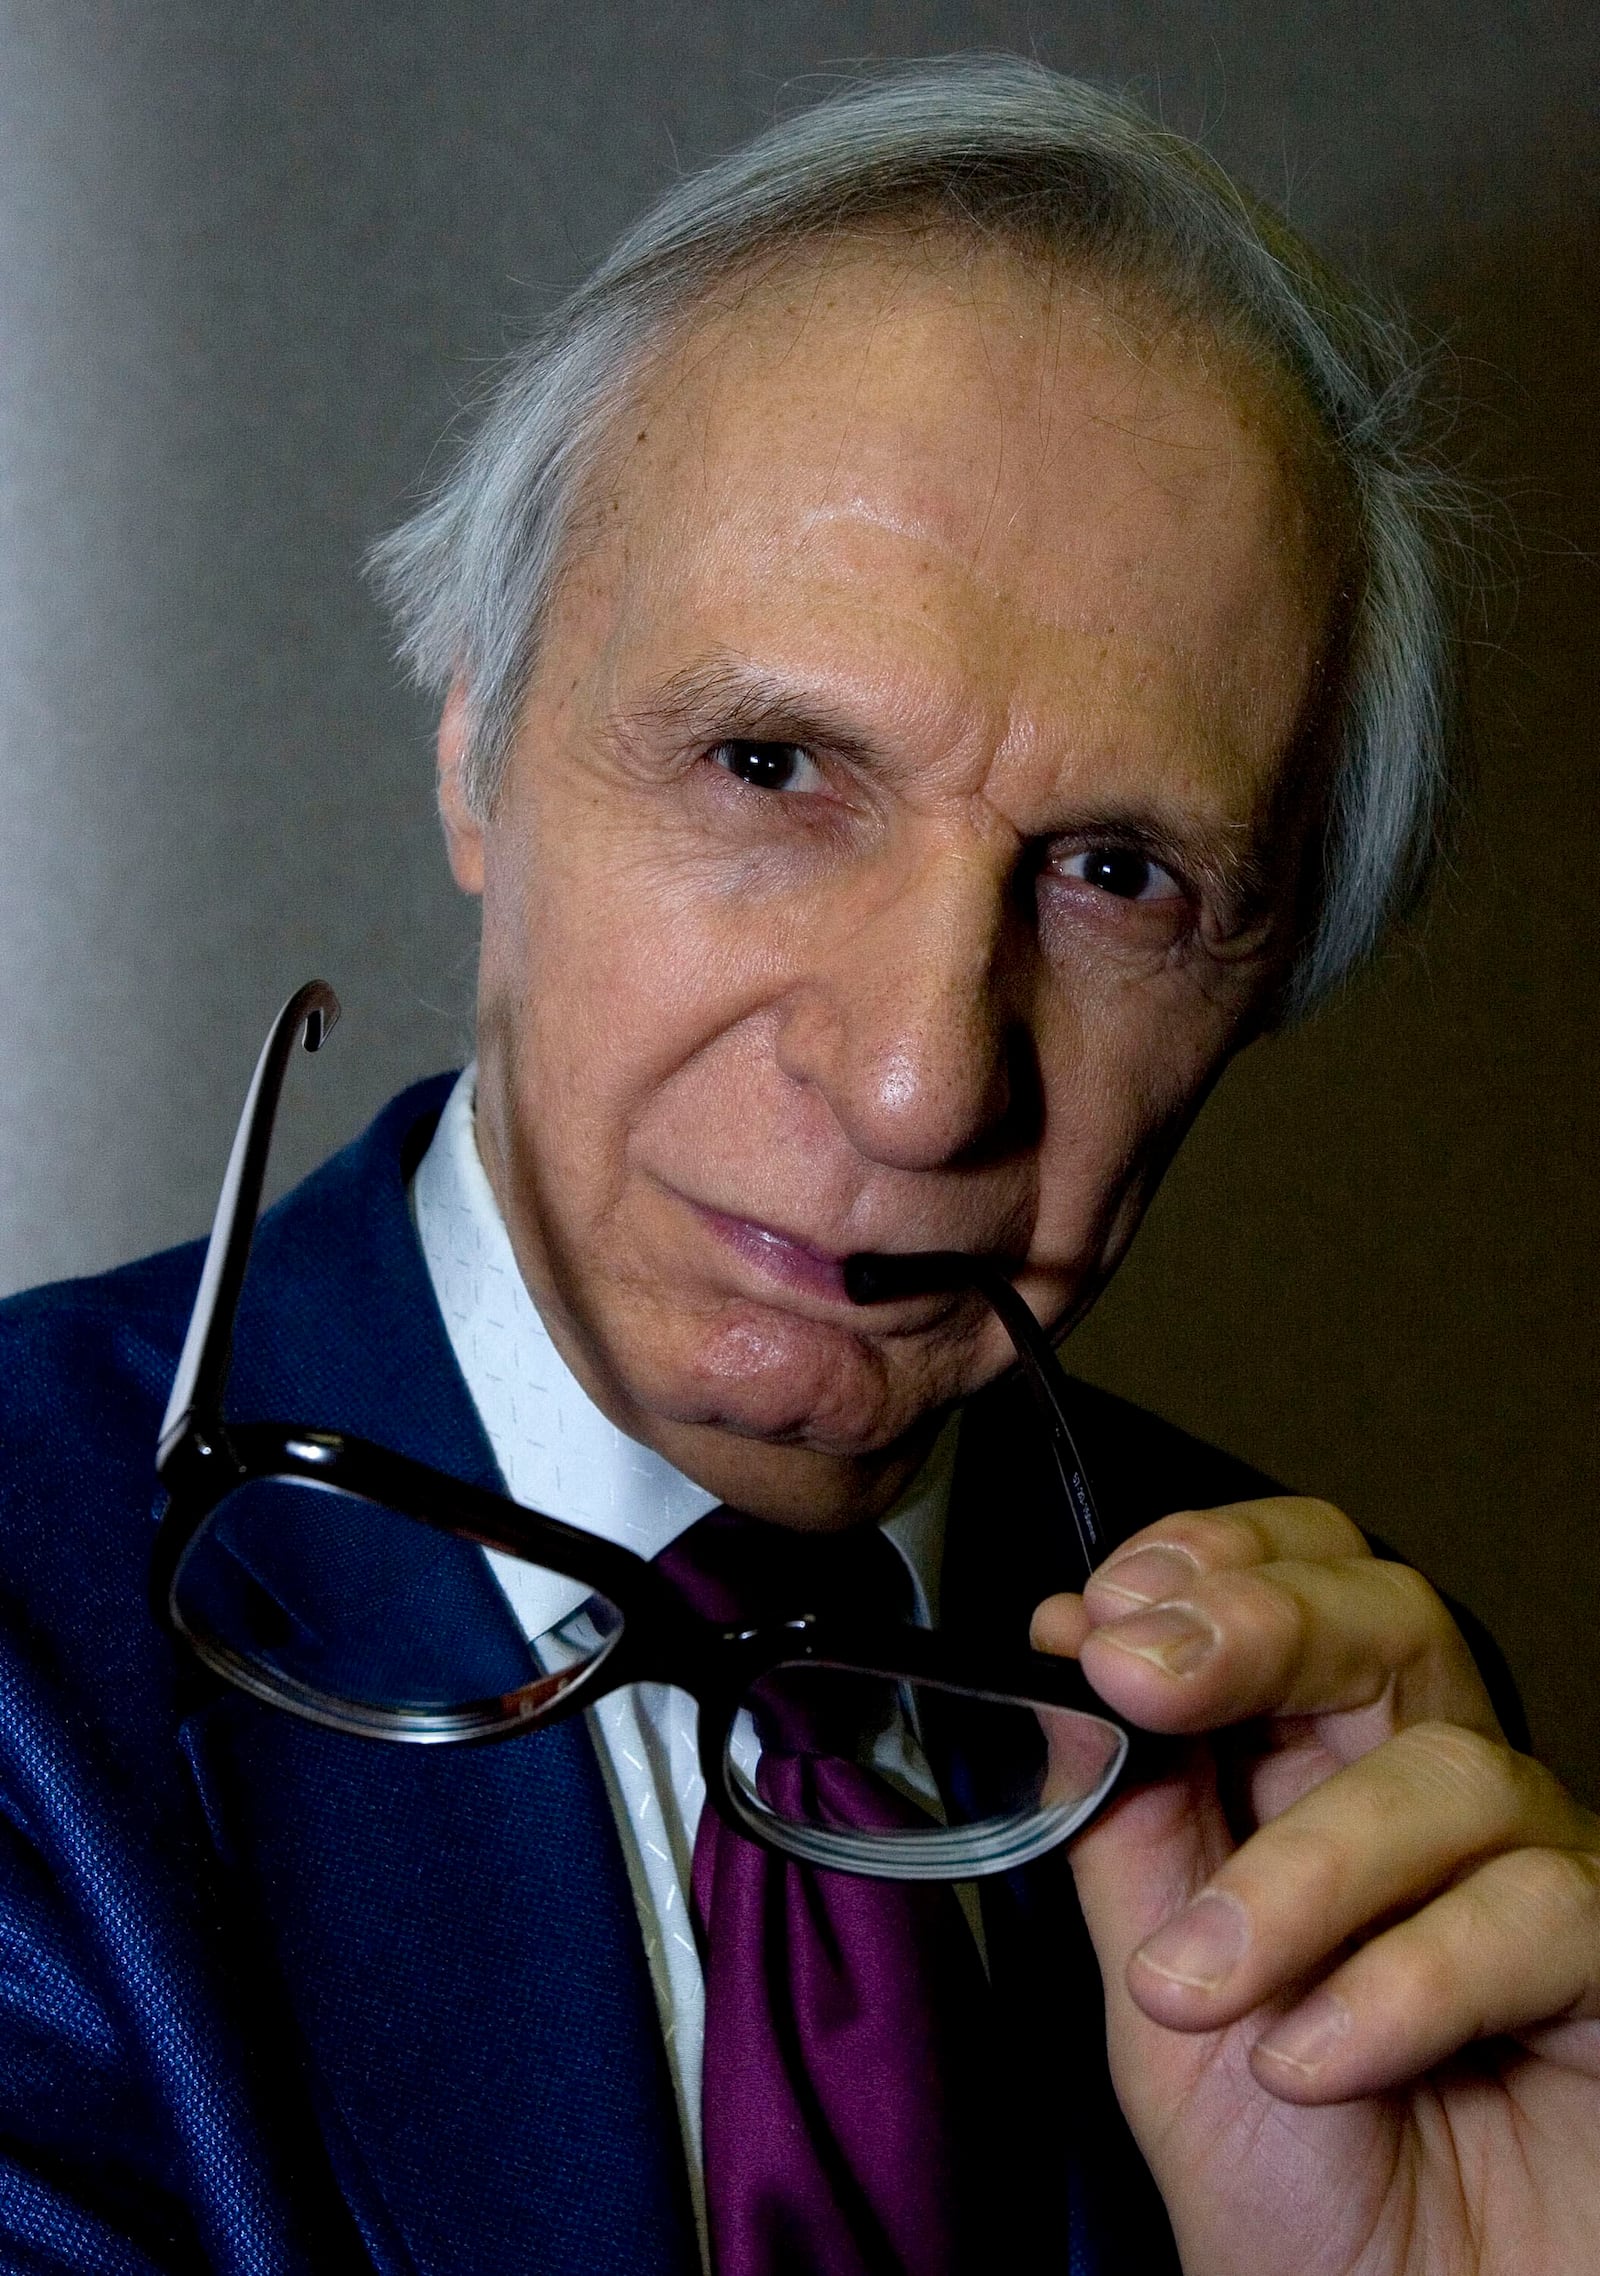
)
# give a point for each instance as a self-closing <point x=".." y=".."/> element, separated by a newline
<point x="1002" y="496"/>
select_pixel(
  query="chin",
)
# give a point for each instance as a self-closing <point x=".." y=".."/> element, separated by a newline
<point x="765" y="1374"/>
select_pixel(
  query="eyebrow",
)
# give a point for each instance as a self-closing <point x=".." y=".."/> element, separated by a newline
<point x="729" y="696"/>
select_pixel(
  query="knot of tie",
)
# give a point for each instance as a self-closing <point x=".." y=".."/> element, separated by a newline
<point x="743" y="1572"/>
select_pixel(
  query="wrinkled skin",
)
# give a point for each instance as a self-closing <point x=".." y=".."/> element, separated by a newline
<point x="905" y="825"/>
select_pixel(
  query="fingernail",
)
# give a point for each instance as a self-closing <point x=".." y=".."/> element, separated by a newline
<point x="1305" y="2039"/>
<point x="1203" y="1945"/>
<point x="1175" y="1637"/>
<point x="1144" y="1576"/>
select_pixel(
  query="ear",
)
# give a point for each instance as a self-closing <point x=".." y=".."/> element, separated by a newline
<point x="463" y="832"/>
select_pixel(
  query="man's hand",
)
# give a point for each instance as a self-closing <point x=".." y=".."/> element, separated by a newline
<point x="1352" y="1948"/>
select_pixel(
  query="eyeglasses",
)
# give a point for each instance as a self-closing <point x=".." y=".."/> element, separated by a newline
<point x="346" y="1583"/>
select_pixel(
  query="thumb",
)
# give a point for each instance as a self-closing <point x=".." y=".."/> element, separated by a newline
<point x="1140" y="1862"/>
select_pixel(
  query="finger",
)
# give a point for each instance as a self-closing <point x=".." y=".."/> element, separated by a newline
<point x="1134" y="1866"/>
<point x="1145" y="1856"/>
<point x="1162" y="1559"/>
<point x="1289" y="1639"/>
<point x="1059" y="1625"/>
<point x="1383" y="1835"/>
<point x="1515" y="1945"/>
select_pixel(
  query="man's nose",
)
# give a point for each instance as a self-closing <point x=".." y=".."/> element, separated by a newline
<point x="912" y="1021"/>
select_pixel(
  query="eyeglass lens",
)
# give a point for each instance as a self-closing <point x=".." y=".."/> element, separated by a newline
<point x="917" y="1779"/>
<point x="368" y="1619"/>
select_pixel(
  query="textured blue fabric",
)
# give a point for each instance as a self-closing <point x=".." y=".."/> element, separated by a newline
<point x="272" y="1999"/>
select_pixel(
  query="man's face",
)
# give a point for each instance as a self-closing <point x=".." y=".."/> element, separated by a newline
<point x="901" y="830"/>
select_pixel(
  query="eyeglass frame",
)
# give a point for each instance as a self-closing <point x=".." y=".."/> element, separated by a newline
<point x="202" y="1460"/>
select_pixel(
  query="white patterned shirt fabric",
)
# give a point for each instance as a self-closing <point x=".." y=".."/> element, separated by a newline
<point x="558" y="1453"/>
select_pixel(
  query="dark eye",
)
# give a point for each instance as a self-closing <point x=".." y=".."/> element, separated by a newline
<point x="770" y="766"/>
<point x="1124" y="872"/>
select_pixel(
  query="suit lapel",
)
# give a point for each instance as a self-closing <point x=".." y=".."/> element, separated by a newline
<point x="453" y="1926"/>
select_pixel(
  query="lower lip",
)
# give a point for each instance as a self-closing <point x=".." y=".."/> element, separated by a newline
<point x="775" y="1255"/>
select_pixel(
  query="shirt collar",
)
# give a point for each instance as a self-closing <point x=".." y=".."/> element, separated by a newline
<point x="556" y="1451"/>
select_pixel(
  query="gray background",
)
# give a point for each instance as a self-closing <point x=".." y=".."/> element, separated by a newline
<point x="253" y="257"/>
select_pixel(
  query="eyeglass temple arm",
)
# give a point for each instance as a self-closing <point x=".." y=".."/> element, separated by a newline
<point x="873" y="1279"/>
<point x="202" y="1375"/>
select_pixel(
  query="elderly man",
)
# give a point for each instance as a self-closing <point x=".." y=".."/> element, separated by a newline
<point x="942" y="645"/>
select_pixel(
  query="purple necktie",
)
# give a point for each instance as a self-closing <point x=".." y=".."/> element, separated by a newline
<point x="847" y="2029"/>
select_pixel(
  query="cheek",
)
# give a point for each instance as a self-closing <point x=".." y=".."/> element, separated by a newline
<point x="605" y="981"/>
<point x="1120" y="1082"/>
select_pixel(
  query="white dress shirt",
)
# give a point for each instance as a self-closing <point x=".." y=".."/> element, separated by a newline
<point x="558" y="1453"/>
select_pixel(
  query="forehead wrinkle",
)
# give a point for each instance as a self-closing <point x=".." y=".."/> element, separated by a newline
<point x="914" y="526"/>
<point x="855" y="588"/>
<point x="891" y="283"/>
<point x="997" y="480"/>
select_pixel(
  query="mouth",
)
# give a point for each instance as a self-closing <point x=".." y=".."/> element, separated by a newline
<point x="857" y="1278"/>
<point x="779" y="1257"/>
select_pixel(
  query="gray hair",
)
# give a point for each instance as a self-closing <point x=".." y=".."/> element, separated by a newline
<point x="1053" y="166"/>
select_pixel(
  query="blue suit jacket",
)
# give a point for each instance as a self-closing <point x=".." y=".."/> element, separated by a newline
<point x="272" y="1999"/>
